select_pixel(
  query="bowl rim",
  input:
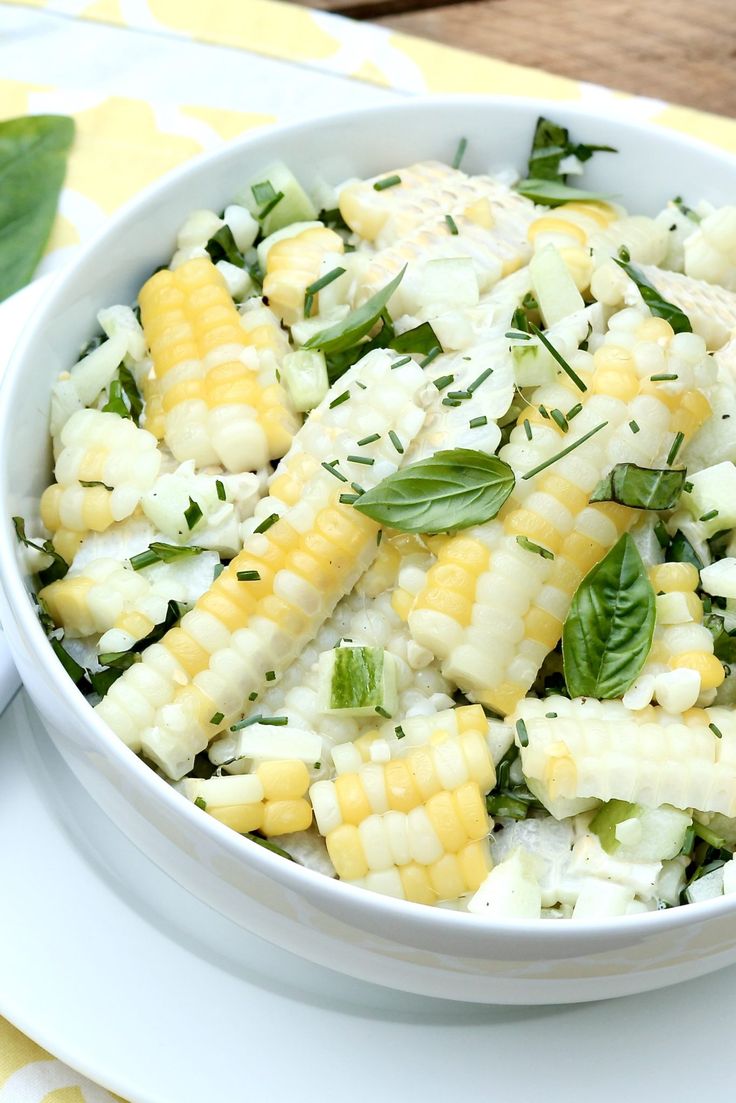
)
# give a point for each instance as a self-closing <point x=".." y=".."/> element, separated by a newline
<point x="403" y="915"/>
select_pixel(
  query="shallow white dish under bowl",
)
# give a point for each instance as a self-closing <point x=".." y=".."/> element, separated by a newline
<point x="428" y="951"/>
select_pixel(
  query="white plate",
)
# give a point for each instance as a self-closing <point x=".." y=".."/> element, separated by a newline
<point x="170" y="1003"/>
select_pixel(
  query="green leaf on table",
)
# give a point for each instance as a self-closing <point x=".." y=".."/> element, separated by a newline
<point x="358" y="324"/>
<point x="33" y="155"/>
<point x="658" y="306"/>
<point x="608" y="632"/>
<point x="448" y="491"/>
<point x="641" y="487"/>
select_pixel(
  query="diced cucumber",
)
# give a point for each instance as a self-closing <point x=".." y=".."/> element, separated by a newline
<point x="533" y="364"/>
<point x="712" y="497"/>
<point x="220" y="792"/>
<point x="264" y="247"/>
<point x="553" y="286"/>
<point x="294" y="206"/>
<point x="719" y="579"/>
<point x="448" y="283"/>
<point x="707" y="887"/>
<point x="602" y="899"/>
<point x="264" y="741"/>
<point x="304" y="374"/>
<point x="636" y="834"/>
<point x="357" y="681"/>
<point x="510" y="891"/>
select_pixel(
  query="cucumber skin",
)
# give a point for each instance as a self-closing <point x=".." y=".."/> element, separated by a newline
<point x="357" y="678"/>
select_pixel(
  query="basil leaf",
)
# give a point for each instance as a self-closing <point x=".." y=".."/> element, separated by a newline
<point x="268" y="845"/>
<point x="130" y="390"/>
<point x="33" y="153"/>
<point x="450" y="490"/>
<point x="680" y="550"/>
<point x="551" y="144"/>
<point x="221" y="246"/>
<point x="658" y="306"/>
<point x="422" y="339"/>
<point x="640" y="487"/>
<point x="553" y="192"/>
<point x="724" y="643"/>
<point x="339" y="362"/>
<point x="56" y="569"/>
<point x="357" y="324"/>
<point x="608" y="632"/>
<point x="71" y="666"/>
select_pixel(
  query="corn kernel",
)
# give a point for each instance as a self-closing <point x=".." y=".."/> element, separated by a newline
<point x="708" y="667"/>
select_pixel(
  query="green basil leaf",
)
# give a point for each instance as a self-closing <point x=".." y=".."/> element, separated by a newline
<point x="422" y="339"/>
<point x="658" y="306"/>
<point x="608" y="632"/>
<point x="268" y="845"/>
<point x="131" y="392"/>
<point x="680" y="550"/>
<point x="56" y="569"/>
<point x="450" y="490"/>
<point x="221" y="246"/>
<point x="339" y="362"/>
<point x="33" y="153"/>
<point x="551" y="144"/>
<point x="358" y="324"/>
<point x="552" y="193"/>
<point x="71" y="666"/>
<point x="641" y="487"/>
<point x="724" y="643"/>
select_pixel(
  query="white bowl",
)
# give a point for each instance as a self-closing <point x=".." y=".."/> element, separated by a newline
<point x="424" y="950"/>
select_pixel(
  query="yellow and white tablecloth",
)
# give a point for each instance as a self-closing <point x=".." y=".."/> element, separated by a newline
<point x="154" y="82"/>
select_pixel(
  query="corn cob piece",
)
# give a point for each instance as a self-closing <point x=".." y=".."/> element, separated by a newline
<point x="398" y="740"/>
<point x="292" y="265"/>
<point x="274" y="595"/>
<point x="651" y="757"/>
<point x="716" y="441"/>
<point x="221" y="405"/>
<point x="271" y="799"/>
<point x="426" y="190"/>
<point x="120" y="461"/>
<point x="711" y="309"/>
<point x="681" y="665"/>
<point x="710" y="252"/>
<point x="494" y="240"/>
<point x="492" y="609"/>
<point x="403" y="784"/>
<point x="104" y="594"/>
<point x="437" y="851"/>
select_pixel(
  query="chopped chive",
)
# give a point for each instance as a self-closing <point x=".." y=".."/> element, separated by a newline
<point x="451" y="225"/>
<point x="220" y="490"/>
<point x="395" y="441"/>
<point x="201" y="803"/>
<point x="400" y="733"/>
<point x="192" y="514"/>
<point x="367" y="460"/>
<point x="556" y="356"/>
<point x="529" y="545"/>
<point x="544" y="411"/>
<point x="325" y="280"/>
<point x="522" y="733"/>
<point x="709" y="515"/>
<point x="82" y="482"/>
<point x="574" y="411"/>
<point x="478" y="422"/>
<point x="565" y="451"/>
<point x="369" y="440"/>
<point x="387" y="182"/>
<point x="663" y="537"/>
<point x="527" y="428"/>
<point x="358" y="488"/>
<point x="263" y="192"/>
<point x="217" y="718"/>
<point x="551" y="715"/>
<point x="400" y="362"/>
<point x="443" y="381"/>
<point x="676" y="445"/>
<point x="518" y="335"/>
<point x="559" y="419"/>
<point x="248" y="576"/>
<point x="252" y="696"/>
<point x="716" y="731"/>
<point x="317" y="766"/>
<point x="333" y="471"/>
<point x="340" y="399"/>
<point x="266" y="524"/>
<point x="143" y="559"/>
<point x="382" y="712"/>
<point x="687" y="487"/>
<point x="635" y="428"/>
<point x="462" y="145"/>
<point x="270" y="675"/>
<point x="663" y="378"/>
<point x="462" y="396"/>
<point x="362" y="385"/>
<point x="473" y="387"/>
<point x="431" y="355"/>
<point x="452" y="402"/>
<point x="379" y="538"/>
<point x="246" y="723"/>
<point x="275" y="721"/>
<point x="270" y="206"/>
<point x="348" y="499"/>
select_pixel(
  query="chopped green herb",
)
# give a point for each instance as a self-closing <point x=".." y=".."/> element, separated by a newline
<point x="248" y="576"/>
<point x="383" y="712"/>
<point x="220" y="490"/>
<point x="367" y="460"/>
<point x="708" y="836"/>
<point x="709" y="515"/>
<point x="387" y="182"/>
<point x="399" y="363"/>
<point x="192" y="514"/>
<point x="687" y="488"/>
<point x="252" y="696"/>
<point x="551" y="715"/>
<point x="676" y="445"/>
<point x="270" y="675"/>
<point x="59" y="565"/>
<point x="543" y="411"/>
<point x="451" y="225"/>
<point x="565" y="451"/>
<point x="275" y="721"/>
<point x="268" y="845"/>
<point x="131" y="392"/>
<point x="314" y="288"/>
<point x="473" y="387"/>
<point x="358" y="488"/>
<point x="462" y="396"/>
<point x="369" y="440"/>
<point x="246" y="723"/>
<point x="115" y="403"/>
<point x="221" y="246"/>
<point x="640" y="487"/>
<point x="462" y="145"/>
<point x="635" y="429"/>
<point x="332" y="468"/>
<point x="162" y="553"/>
<point x="420" y="339"/>
<point x="217" y="718"/>
<point x="265" y="525"/>
<point x="340" y="399"/>
<point x="522" y="733"/>
<point x="658" y="306"/>
<point x="552" y="193"/>
<point x="665" y="377"/>
<point x="527" y="428"/>
<point x="530" y="546"/>
<point x="684" y="209"/>
<point x="71" y="666"/>
<point x="346" y="336"/>
<point x="201" y="803"/>
<point x="83" y="482"/>
<point x="452" y="402"/>
<point x="478" y="422"/>
<point x="400" y="733"/>
<point x="431" y="355"/>
<point x="574" y="411"/>
<point x="443" y="381"/>
<point x="559" y="419"/>
<point x="556" y="356"/>
<point x="348" y="499"/>
<point x="119" y="659"/>
<point x="716" y="731"/>
<point x="663" y="537"/>
<point x="395" y="441"/>
<point x="263" y="192"/>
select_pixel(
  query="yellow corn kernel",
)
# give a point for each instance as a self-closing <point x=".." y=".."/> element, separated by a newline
<point x="351" y="796"/>
<point x="571" y="496"/>
<point x="403" y="794"/>
<point x="282" y="817"/>
<point x="283" y="780"/>
<point x="475" y="864"/>
<point x="582" y="551"/>
<point x="523" y="522"/>
<point x="417" y="884"/>
<point x="292" y="265"/>
<point x="346" y="852"/>
<point x="446" y="821"/>
<point x="550" y="225"/>
<point x="453" y="605"/>
<point x="693" y="411"/>
<point x="135" y="624"/>
<point x="655" y="329"/>
<point x="503" y="698"/>
<point x="402" y="603"/>
<point x="468" y="553"/>
<point x="446" y="878"/>
<point x="667" y="578"/>
<point x="67" y="543"/>
<point x="543" y="627"/>
<point x="579" y="264"/>
<point x="708" y="667"/>
<point x="240" y="817"/>
<point x="471" y="810"/>
<point x="616" y="382"/>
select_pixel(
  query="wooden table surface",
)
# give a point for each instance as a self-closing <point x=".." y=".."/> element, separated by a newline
<point x="683" y="51"/>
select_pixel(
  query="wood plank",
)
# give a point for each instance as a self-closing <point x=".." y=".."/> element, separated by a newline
<point x="669" y="49"/>
<point x="372" y="9"/>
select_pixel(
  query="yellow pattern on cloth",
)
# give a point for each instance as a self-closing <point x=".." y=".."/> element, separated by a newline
<point x="123" y="143"/>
